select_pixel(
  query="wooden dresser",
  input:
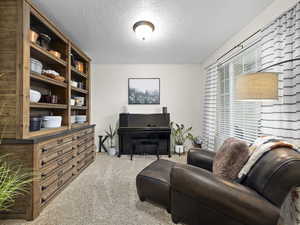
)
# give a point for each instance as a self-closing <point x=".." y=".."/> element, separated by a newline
<point x="56" y="155"/>
<point x="55" y="159"/>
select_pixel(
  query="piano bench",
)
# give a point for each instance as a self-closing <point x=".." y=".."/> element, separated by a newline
<point x="145" y="143"/>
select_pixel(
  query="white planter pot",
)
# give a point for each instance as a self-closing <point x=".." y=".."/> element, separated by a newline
<point x="179" y="149"/>
<point x="112" y="151"/>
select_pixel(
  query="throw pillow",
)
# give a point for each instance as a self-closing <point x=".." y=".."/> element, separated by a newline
<point x="230" y="158"/>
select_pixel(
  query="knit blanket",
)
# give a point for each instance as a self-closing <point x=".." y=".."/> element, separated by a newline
<point x="260" y="147"/>
<point x="290" y="211"/>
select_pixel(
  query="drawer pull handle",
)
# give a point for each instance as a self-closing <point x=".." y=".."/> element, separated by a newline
<point x="44" y="150"/>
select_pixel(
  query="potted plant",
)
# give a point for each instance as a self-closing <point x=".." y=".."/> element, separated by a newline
<point x="180" y="134"/>
<point x="111" y="133"/>
<point x="196" y="141"/>
<point x="14" y="181"/>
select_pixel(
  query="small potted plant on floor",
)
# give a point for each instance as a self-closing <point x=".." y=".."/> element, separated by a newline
<point x="196" y="141"/>
<point x="111" y="133"/>
<point x="180" y="134"/>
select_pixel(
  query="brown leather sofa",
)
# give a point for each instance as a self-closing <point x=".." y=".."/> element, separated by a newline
<point x="197" y="197"/>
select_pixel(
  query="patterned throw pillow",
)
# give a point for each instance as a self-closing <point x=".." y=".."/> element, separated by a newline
<point x="230" y="159"/>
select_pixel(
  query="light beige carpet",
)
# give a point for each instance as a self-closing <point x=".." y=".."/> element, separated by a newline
<point x="104" y="194"/>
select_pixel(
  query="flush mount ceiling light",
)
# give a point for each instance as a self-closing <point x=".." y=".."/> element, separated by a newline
<point x="143" y="29"/>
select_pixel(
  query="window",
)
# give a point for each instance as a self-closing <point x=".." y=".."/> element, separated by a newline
<point x="238" y="119"/>
<point x="210" y="102"/>
<point x="223" y="109"/>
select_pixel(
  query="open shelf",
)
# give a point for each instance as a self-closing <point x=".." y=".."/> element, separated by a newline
<point x="79" y="107"/>
<point x="45" y="131"/>
<point x="83" y="91"/>
<point x="79" y="73"/>
<point x="45" y="55"/>
<point x="65" y="66"/>
<point x="48" y="80"/>
<point x="48" y="106"/>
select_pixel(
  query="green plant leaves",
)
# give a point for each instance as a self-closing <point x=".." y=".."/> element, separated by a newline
<point x="14" y="181"/>
<point x="179" y="133"/>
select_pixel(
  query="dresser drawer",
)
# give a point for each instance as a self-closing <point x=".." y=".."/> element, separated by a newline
<point x="85" y="153"/>
<point x="84" y="160"/>
<point x="52" y="165"/>
<point x="83" y="133"/>
<point x="85" y="139"/>
<point x="85" y="145"/>
<point x="57" y="174"/>
<point x="51" y="189"/>
<point x="56" y="142"/>
<point x="56" y="152"/>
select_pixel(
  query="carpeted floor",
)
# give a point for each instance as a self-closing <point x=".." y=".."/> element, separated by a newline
<point x="104" y="194"/>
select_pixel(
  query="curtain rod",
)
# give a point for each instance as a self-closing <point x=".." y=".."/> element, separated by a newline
<point x="256" y="33"/>
<point x="280" y="63"/>
<point x="239" y="52"/>
<point x="239" y="45"/>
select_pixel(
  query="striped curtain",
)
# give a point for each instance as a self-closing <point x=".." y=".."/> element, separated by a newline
<point x="210" y="104"/>
<point x="280" y="42"/>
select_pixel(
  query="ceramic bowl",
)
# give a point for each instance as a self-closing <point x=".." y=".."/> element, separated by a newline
<point x="80" y="119"/>
<point x="35" y="96"/>
<point x="52" y="121"/>
<point x="74" y="83"/>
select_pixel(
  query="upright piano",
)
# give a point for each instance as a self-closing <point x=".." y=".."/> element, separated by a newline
<point x="144" y="133"/>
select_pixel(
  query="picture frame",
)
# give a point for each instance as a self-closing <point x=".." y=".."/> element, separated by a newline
<point x="144" y="91"/>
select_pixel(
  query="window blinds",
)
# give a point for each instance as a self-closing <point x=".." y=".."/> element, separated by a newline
<point x="238" y="119"/>
<point x="210" y="102"/>
<point x="277" y="42"/>
<point x="280" y="42"/>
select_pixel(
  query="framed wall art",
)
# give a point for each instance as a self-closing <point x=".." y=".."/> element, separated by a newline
<point x="143" y="91"/>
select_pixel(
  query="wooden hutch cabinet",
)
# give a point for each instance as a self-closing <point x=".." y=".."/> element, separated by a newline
<point x="56" y="155"/>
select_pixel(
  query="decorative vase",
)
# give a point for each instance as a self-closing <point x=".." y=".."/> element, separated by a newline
<point x="112" y="151"/>
<point x="165" y="110"/>
<point x="179" y="149"/>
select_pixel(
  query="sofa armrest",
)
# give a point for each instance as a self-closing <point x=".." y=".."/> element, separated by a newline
<point x="222" y="196"/>
<point x="201" y="158"/>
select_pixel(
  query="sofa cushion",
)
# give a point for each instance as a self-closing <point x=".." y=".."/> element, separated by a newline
<point x="230" y="158"/>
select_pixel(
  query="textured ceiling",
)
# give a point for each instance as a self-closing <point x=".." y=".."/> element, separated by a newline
<point x="187" y="31"/>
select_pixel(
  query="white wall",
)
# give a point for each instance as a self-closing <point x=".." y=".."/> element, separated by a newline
<point x="181" y="85"/>
<point x="266" y="17"/>
<point x="180" y="91"/>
